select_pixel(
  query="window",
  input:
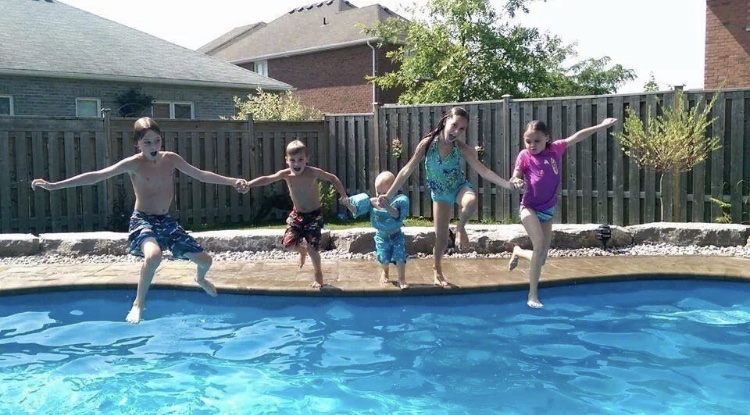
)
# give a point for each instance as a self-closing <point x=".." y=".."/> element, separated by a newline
<point x="261" y="67"/>
<point x="172" y="110"/>
<point x="88" y="107"/>
<point x="6" y="105"/>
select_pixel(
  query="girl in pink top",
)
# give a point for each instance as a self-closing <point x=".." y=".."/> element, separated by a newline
<point x="538" y="170"/>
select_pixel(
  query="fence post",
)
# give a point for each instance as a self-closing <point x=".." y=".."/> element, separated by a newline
<point x="250" y="168"/>
<point x="375" y="167"/>
<point x="676" y="208"/>
<point x="509" y="200"/>
<point x="109" y="186"/>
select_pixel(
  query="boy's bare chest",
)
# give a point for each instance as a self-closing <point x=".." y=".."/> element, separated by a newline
<point x="153" y="176"/>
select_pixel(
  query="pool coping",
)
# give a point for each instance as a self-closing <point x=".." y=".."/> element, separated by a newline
<point x="347" y="277"/>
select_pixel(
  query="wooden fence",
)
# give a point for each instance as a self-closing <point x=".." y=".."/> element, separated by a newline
<point x="599" y="183"/>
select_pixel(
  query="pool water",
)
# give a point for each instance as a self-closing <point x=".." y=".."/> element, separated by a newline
<point x="646" y="347"/>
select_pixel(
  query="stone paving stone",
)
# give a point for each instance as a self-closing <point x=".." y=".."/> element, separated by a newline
<point x="357" y="277"/>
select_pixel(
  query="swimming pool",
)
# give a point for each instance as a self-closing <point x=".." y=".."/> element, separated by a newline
<point x="646" y="347"/>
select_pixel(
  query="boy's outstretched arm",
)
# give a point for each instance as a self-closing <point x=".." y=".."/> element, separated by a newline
<point x="204" y="175"/>
<point x="266" y="180"/>
<point x="329" y="177"/>
<point x="83" y="179"/>
<point x="582" y="134"/>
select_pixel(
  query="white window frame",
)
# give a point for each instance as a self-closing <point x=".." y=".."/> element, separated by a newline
<point x="98" y="107"/>
<point x="171" y="108"/>
<point x="10" y="107"/>
<point x="261" y="67"/>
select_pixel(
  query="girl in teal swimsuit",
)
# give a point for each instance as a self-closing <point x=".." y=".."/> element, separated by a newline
<point x="443" y="149"/>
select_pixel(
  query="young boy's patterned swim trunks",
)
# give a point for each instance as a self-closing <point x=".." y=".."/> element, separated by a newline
<point x="167" y="232"/>
<point x="307" y="226"/>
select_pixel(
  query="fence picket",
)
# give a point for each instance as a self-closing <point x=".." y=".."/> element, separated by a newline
<point x="5" y="182"/>
<point x="586" y="166"/>
<point x="570" y="165"/>
<point x="699" y="175"/>
<point x="717" y="157"/>
<point x="485" y="141"/>
<point x="516" y="137"/>
<point x="651" y="181"/>
<point x="737" y="151"/>
<point x="601" y="142"/>
<point x="361" y="152"/>
<point x="415" y="200"/>
<point x="618" y="166"/>
<point x="71" y="194"/>
<point x="39" y="220"/>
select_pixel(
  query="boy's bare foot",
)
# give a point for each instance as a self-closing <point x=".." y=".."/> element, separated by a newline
<point x="462" y="238"/>
<point x="402" y="285"/>
<point x="207" y="286"/>
<point x="134" y="316"/>
<point x="318" y="282"/>
<point x="384" y="279"/>
<point x="513" y="263"/>
<point x="534" y="302"/>
<point x="440" y="281"/>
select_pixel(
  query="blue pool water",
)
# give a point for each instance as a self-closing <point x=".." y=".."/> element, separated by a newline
<point x="648" y="347"/>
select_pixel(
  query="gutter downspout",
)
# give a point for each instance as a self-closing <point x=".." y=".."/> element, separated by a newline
<point x="375" y="138"/>
<point x="374" y="71"/>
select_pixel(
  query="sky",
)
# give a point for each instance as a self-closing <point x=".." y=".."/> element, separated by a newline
<point x="663" y="37"/>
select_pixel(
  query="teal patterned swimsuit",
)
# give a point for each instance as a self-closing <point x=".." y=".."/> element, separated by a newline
<point x="445" y="178"/>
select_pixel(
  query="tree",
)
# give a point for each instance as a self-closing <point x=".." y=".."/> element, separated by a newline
<point x="273" y="106"/>
<point x="134" y="103"/>
<point x="674" y="141"/>
<point x="651" y="85"/>
<point x="465" y="50"/>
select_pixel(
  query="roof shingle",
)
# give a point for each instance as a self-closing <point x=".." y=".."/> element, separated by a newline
<point x="301" y="30"/>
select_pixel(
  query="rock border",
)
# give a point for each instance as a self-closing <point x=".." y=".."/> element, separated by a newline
<point x="483" y="239"/>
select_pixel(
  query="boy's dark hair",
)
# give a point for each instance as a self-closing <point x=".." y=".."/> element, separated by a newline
<point x="296" y="147"/>
<point x="142" y="125"/>
<point x="457" y="111"/>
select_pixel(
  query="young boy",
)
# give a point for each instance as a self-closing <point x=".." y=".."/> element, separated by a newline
<point x="305" y="222"/>
<point x="387" y="219"/>
<point x="152" y="229"/>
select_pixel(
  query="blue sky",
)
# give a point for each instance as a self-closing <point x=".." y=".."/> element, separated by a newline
<point x="663" y="37"/>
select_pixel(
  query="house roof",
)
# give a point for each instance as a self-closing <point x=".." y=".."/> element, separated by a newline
<point x="230" y="36"/>
<point x="318" y="26"/>
<point x="52" y="39"/>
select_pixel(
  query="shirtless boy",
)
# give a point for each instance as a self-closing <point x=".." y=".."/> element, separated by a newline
<point x="152" y="229"/>
<point x="306" y="220"/>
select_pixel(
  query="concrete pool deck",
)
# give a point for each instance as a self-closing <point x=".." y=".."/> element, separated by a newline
<point x="347" y="275"/>
<point x="359" y="277"/>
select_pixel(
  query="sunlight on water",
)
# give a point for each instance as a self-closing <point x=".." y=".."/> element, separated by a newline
<point x="668" y="347"/>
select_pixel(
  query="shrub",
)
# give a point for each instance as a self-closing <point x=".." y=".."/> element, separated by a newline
<point x="275" y="106"/>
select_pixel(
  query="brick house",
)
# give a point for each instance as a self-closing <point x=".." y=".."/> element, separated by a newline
<point x="727" y="62"/>
<point x="319" y="49"/>
<point x="57" y="60"/>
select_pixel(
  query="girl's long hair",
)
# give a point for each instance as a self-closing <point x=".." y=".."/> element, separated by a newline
<point x="457" y="111"/>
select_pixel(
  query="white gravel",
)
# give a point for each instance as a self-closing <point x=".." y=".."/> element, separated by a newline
<point x="256" y="256"/>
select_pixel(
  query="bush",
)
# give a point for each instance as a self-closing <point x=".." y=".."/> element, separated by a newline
<point x="275" y="107"/>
